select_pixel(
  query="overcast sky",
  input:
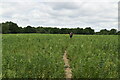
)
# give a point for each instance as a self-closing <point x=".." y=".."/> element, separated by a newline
<point x="96" y="14"/>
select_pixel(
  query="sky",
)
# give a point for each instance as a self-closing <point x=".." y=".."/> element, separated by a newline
<point x="97" y="14"/>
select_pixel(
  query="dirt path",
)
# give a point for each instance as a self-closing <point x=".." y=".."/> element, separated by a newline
<point x="68" y="71"/>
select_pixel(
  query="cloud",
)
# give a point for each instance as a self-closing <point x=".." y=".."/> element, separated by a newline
<point x="60" y="1"/>
<point x="98" y="15"/>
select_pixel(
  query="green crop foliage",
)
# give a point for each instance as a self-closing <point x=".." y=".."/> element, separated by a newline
<point x="94" y="56"/>
<point x="41" y="55"/>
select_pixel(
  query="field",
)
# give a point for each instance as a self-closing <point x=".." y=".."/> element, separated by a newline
<point x="41" y="55"/>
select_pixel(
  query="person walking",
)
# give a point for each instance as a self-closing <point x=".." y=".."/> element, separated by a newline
<point x="71" y="34"/>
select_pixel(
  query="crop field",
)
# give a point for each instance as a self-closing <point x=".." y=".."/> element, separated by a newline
<point x="41" y="55"/>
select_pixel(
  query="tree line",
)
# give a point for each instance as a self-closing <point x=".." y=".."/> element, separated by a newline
<point x="11" y="27"/>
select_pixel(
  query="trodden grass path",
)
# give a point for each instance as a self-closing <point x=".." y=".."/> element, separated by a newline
<point x="68" y="71"/>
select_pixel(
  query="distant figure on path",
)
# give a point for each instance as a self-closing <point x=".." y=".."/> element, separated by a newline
<point x="71" y="34"/>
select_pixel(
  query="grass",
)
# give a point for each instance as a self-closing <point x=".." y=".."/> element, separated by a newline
<point x="41" y="55"/>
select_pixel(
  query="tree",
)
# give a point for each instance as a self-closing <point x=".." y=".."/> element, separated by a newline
<point x="118" y="33"/>
<point x="29" y="29"/>
<point x="40" y="30"/>
<point x="97" y="33"/>
<point x="21" y="30"/>
<point x="13" y="27"/>
<point x="113" y="31"/>
<point x="64" y="31"/>
<point x="10" y="27"/>
<point x="55" y="30"/>
<point x="88" y="30"/>
<point x="79" y="30"/>
<point x="0" y="28"/>
<point x="104" y="32"/>
<point x="5" y="28"/>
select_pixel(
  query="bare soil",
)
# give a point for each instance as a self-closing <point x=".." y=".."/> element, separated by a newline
<point x="68" y="71"/>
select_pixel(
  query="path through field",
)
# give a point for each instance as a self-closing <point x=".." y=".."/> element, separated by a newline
<point x="68" y="72"/>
